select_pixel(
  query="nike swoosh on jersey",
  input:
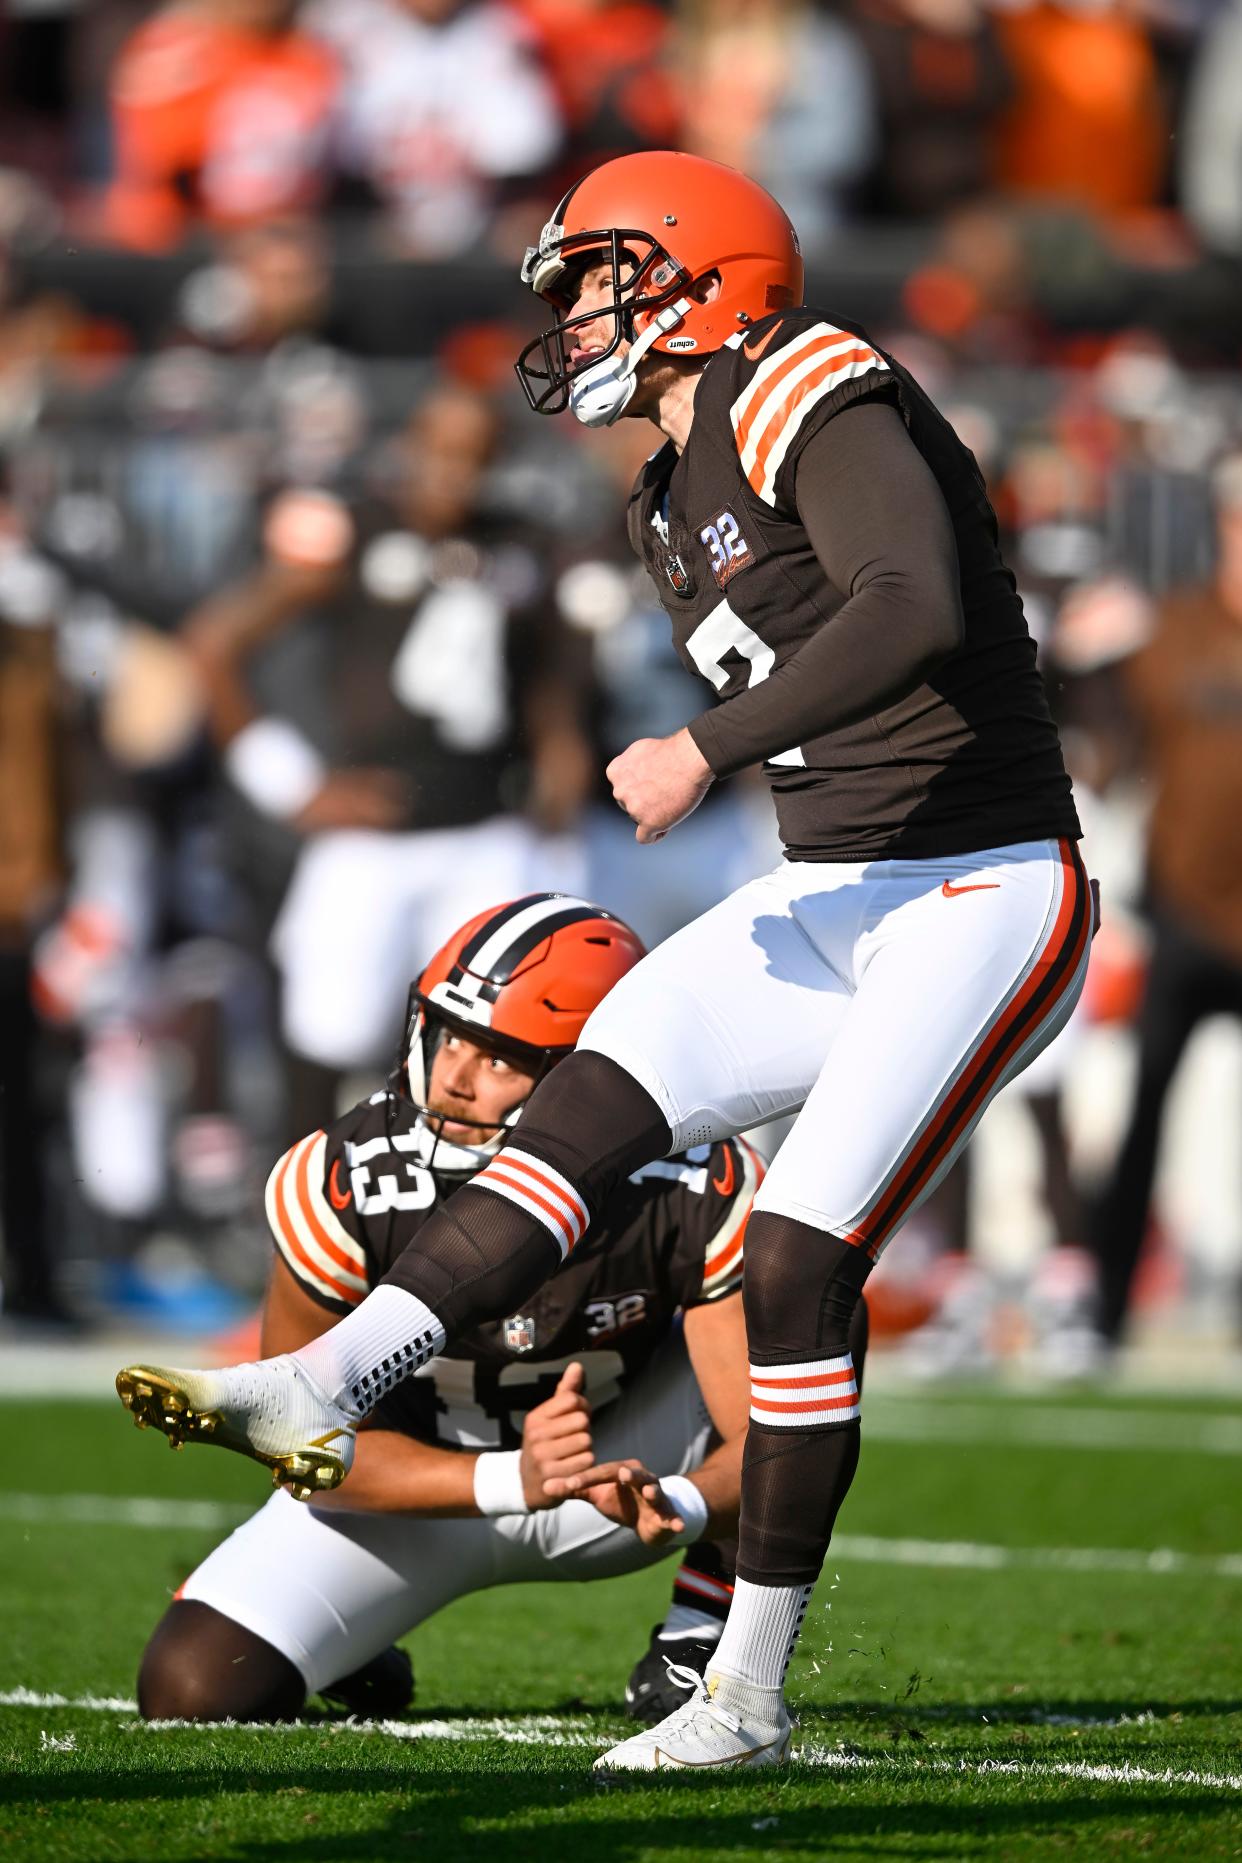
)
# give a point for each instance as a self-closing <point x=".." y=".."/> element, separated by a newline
<point x="340" y="1199"/>
<point x="980" y="886"/>
<point x="724" y="1184"/>
<point x="307" y="1230"/>
<point x="754" y="354"/>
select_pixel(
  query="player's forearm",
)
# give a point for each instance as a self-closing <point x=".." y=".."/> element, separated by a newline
<point x="873" y="652"/>
<point x="397" y="1474"/>
<point x="719" y="1481"/>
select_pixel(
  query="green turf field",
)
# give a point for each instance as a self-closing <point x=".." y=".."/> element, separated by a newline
<point x="993" y="1666"/>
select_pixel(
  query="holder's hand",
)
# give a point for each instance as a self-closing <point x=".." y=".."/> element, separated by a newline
<point x="629" y="1494"/>
<point x="556" y="1441"/>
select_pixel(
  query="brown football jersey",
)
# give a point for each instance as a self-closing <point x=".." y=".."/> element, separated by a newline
<point x="969" y="758"/>
<point x="344" y="1204"/>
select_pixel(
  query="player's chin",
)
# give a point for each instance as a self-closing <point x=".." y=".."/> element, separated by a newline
<point x="458" y="1132"/>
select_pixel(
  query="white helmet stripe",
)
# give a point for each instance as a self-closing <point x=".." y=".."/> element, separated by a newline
<point x="547" y="908"/>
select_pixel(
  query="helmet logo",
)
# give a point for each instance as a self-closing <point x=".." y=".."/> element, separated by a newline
<point x="681" y="342"/>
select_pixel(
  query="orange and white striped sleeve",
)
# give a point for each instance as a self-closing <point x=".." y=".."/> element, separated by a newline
<point x="735" y="1183"/>
<point x="317" y="1248"/>
<point x="777" y="403"/>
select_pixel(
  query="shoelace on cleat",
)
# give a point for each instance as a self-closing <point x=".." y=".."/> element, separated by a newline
<point x="699" y="1705"/>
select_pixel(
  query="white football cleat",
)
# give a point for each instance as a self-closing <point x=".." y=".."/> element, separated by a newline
<point x="271" y="1410"/>
<point x="702" y="1733"/>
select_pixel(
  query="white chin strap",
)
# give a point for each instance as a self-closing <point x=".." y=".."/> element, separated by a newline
<point x="601" y="394"/>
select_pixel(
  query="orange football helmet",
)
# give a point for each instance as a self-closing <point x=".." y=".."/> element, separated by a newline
<point x="665" y="222"/>
<point x="521" y="978"/>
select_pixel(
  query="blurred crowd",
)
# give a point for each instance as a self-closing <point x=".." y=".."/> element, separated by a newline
<point x="313" y="641"/>
<point x="445" y="119"/>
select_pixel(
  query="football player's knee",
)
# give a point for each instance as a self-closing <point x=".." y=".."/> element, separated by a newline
<point x="202" y="1666"/>
<point x="592" y="1121"/>
<point x="589" y="1121"/>
<point x="859" y="1336"/>
<point x="801" y="1289"/>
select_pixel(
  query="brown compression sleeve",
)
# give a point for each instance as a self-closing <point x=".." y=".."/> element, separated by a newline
<point x="882" y="532"/>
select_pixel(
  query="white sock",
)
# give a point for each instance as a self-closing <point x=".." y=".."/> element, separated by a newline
<point x="684" y="1620"/>
<point x="761" y="1634"/>
<point x="373" y="1348"/>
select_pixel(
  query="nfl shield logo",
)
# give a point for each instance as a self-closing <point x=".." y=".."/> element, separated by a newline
<point x="675" y="570"/>
<point x="519" y="1334"/>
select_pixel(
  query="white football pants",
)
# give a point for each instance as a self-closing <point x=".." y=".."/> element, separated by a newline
<point x="889" y="1000"/>
<point x="330" y="1590"/>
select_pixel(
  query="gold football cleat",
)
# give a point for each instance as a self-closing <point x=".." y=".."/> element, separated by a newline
<point x="179" y="1405"/>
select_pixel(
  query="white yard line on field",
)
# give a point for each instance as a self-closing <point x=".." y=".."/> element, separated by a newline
<point x="844" y="1761"/>
<point x="555" y="1730"/>
<point x="970" y="1555"/>
<point x="109" y="1510"/>
<point x="119" y="1510"/>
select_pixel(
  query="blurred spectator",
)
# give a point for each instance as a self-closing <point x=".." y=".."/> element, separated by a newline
<point x="444" y="111"/>
<point x="268" y="301"/>
<point x="222" y="112"/>
<point x="1086" y="125"/>
<point x="783" y="92"/>
<point x="613" y="616"/>
<point x="436" y="740"/>
<point x="940" y="78"/>
<point x="44" y="337"/>
<point x="612" y="66"/>
<point x="134" y="971"/>
<point x="1212" y="134"/>
<point x="269" y="284"/>
<point x="35" y="88"/>
<point x="1186" y="688"/>
<point x="1154" y="474"/>
<point x="31" y="755"/>
<point x="974" y="293"/>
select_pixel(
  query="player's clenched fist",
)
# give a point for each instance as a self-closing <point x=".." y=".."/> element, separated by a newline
<point x="658" y="781"/>
<point x="556" y="1441"/>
